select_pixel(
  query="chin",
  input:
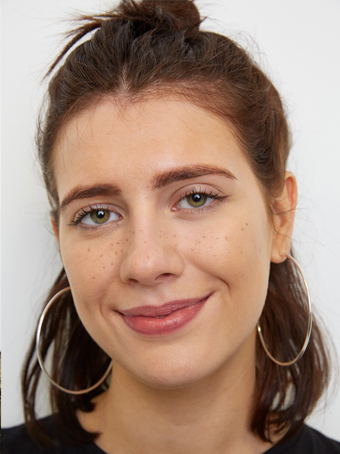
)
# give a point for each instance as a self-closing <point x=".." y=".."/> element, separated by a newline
<point x="174" y="376"/>
<point x="171" y="381"/>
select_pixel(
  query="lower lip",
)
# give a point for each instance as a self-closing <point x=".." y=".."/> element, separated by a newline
<point x="168" y="324"/>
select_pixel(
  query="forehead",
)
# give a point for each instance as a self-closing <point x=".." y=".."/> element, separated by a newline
<point x="110" y="141"/>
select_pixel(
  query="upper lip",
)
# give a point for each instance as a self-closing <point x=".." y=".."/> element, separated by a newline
<point x="164" y="309"/>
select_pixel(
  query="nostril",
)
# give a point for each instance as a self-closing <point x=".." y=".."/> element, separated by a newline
<point x="163" y="276"/>
<point x="131" y="279"/>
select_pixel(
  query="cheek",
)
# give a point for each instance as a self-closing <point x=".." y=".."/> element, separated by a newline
<point x="237" y="247"/>
<point x="237" y="259"/>
<point x="91" y="267"/>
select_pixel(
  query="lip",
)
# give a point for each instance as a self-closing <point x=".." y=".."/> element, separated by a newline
<point x="164" y="319"/>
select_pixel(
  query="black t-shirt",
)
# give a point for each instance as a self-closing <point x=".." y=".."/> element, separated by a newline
<point x="307" y="441"/>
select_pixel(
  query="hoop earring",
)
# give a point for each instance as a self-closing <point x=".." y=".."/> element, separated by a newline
<point x="40" y="358"/>
<point x="309" y="329"/>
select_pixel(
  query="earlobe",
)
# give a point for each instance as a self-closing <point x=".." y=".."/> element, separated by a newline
<point x="283" y="219"/>
<point x="55" y="229"/>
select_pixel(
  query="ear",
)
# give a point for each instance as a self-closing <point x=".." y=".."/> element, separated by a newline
<point x="55" y="229"/>
<point x="283" y="219"/>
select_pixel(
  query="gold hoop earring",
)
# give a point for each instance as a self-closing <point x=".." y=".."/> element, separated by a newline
<point x="309" y="329"/>
<point x="40" y="358"/>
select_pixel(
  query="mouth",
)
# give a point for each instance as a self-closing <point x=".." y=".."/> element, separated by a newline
<point x="164" y="319"/>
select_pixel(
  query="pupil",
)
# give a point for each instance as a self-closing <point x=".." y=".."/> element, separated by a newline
<point x="196" y="198"/>
<point x="100" y="214"/>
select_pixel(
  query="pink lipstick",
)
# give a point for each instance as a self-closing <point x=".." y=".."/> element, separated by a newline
<point x="165" y="319"/>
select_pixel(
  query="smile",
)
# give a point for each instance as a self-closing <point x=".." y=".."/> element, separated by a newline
<point x="165" y="319"/>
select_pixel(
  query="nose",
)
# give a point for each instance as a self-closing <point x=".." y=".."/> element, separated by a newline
<point x="151" y="256"/>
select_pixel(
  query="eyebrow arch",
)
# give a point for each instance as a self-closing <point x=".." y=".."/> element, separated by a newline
<point x="84" y="192"/>
<point x="188" y="172"/>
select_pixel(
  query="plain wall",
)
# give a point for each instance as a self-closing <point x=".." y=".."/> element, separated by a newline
<point x="298" y="45"/>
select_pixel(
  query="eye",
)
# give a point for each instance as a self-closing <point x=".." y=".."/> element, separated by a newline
<point x="197" y="200"/>
<point x="95" y="216"/>
<point x="194" y="200"/>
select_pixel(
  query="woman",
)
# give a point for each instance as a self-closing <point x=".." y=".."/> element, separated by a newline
<point x="163" y="151"/>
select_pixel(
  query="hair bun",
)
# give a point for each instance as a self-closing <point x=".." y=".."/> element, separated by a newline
<point x="178" y="14"/>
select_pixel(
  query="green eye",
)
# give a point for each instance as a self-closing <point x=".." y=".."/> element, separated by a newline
<point x="99" y="216"/>
<point x="196" y="200"/>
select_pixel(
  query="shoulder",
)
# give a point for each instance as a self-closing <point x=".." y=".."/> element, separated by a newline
<point x="15" y="440"/>
<point x="307" y="440"/>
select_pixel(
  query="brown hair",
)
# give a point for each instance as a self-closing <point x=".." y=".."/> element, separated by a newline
<point x="150" y="48"/>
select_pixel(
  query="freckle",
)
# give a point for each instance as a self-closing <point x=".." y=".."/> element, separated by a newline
<point x="116" y="252"/>
<point x="93" y="277"/>
<point x="88" y="250"/>
<point x="204" y="237"/>
<point x="217" y="238"/>
<point x="241" y="252"/>
<point x="226" y="237"/>
<point x="121" y="251"/>
<point x="103" y="267"/>
<point x="144" y="242"/>
<point x="242" y="228"/>
<point x="111" y="244"/>
<point x="174" y="236"/>
<point x="111" y="263"/>
<point x="101" y="256"/>
<point x="246" y="223"/>
<point x="191" y="249"/>
<point x="176" y="245"/>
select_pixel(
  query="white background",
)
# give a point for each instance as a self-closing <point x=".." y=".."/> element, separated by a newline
<point x="299" y="44"/>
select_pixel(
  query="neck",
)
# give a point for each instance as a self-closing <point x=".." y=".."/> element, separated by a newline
<point x="210" y="416"/>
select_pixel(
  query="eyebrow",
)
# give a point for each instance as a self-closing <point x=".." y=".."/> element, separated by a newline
<point x="160" y="181"/>
<point x="86" y="192"/>
<point x="188" y="172"/>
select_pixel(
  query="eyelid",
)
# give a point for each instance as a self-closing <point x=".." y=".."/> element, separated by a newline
<point x="209" y="192"/>
<point x="85" y="211"/>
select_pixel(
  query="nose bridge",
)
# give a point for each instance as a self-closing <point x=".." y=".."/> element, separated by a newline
<point x="146" y="237"/>
<point x="150" y="253"/>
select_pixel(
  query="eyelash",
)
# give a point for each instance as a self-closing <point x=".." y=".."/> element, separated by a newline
<point x="213" y="195"/>
<point x="218" y="197"/>
<point x="85" y="211"/>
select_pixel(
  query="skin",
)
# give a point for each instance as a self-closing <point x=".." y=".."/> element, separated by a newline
<point x="192" y="390"/>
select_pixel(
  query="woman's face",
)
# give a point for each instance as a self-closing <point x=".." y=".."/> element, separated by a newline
<point x="165" y="238"/>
